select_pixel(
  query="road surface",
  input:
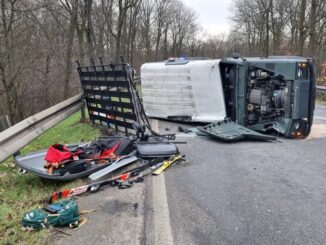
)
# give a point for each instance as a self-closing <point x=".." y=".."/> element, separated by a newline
<point x="247" y="192"/>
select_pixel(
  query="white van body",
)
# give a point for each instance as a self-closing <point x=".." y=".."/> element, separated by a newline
<point x="189" y="89"/>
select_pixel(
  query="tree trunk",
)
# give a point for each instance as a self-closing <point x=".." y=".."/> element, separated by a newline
<point x="165" y="43"/>
<point x="118" y="37"/>
<point x="301" y="26"/>
<point x="268" y="9"/>
<point x="68" y="63"/>
<point x="7" y="64"/>
<point x="80" y="38"/>
<point x="158" y="38"/>
<point x="312" y="27"/>
<point x="47" y="95"/>
<point x="89" y="29"/>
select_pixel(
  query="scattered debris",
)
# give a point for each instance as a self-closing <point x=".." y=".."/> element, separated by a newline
<point x="110" y="161"/>
<point x="75" y="161"/>
<point x="187" y="130"/>
<point x="124" y="180"/>
<point x="59" y="214"/>
<point x="58" y="230"/>
<point x="229" y="131"/>
<point x="168" y="163"/>
<point x="120" y="163"/>
<point x="22" y="171"/>
<point x="181" y="129"/>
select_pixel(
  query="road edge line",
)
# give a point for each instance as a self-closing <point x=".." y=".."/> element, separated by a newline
<point x="162" y="224"/>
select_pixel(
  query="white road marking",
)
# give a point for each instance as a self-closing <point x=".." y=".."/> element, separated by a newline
<point x="163" y="231"/>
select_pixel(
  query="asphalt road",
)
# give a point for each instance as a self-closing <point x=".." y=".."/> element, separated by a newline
<point x="249" y="192"/>
<point x="320" y="112"/>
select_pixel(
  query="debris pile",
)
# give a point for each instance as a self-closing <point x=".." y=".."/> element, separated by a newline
<point x="61" y="213"/>
<point x="121" y="160"/>
<point x="140" y="158"/>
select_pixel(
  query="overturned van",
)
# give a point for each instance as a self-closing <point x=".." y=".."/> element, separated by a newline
<point x="274" y="94"/>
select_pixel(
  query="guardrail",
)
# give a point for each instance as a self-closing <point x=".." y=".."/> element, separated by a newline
<point x="137" y="80"/>
<point x="19" y="135"/>
<point x="321" y="89"/>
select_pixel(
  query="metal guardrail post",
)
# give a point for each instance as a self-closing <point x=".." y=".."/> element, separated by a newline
<point x="4" y="123"/>
<point x="82" y="111"/>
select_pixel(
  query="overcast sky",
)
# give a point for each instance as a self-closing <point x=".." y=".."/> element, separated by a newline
<point x="212" y="14"/>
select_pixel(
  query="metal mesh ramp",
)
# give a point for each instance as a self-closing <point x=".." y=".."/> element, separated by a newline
<point x="109" y="96"/>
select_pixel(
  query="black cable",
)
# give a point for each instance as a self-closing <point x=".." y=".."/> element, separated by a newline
<point x="142" y="113"/>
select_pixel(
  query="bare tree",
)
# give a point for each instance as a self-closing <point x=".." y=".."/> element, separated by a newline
<point x="123" y="6"/>
<point x="72" y="10"/>
<point x="39" y="40"/>
<point x="147" y="19"/>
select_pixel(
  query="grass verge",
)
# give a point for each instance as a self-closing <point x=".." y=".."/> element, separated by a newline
<point x="320" y="102"/>
<point x="22" y="192"/>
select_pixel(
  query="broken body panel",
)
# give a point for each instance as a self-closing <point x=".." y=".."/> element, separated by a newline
<point x="274" y="94"/>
